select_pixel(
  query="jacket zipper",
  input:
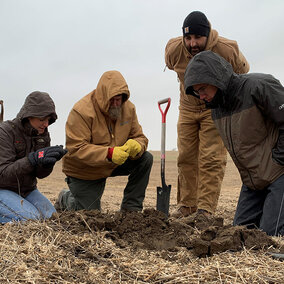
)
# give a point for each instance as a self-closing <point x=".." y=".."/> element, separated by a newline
<point x="110" y="131"/>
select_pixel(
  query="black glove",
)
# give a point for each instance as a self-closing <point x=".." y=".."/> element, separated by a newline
<point x="278" y="150"/>
<point x="47" y="156"/>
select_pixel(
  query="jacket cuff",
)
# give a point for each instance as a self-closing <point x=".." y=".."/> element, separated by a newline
<point x="109" y="154"/>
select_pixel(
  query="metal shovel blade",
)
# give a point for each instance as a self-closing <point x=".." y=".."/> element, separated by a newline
<point x="163" y="199"/>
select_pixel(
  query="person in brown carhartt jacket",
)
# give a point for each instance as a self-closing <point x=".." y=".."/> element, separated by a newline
<point x="202" y="156"/>
<point x="104" y="138"/>
<point x="25" y="156"/>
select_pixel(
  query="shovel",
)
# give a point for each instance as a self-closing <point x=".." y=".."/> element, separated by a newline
<point x="163" y="193"/>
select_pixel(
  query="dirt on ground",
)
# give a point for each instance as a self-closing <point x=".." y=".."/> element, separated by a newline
<point x="151" y="230"/>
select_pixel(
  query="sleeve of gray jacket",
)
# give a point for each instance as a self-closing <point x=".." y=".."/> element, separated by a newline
<point x="278" y="150"/>
<point x="270" y="96"/>
<point x="271" y="99"/>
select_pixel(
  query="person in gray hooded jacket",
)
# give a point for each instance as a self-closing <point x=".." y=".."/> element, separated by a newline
<point x="26" y="155"/>
<point x="248" y="111"/>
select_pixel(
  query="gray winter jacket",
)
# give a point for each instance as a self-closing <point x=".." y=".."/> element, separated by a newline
<point x="248" y="111"/>
<point x="18" y="138"/>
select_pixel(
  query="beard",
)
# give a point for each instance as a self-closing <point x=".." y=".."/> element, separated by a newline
<point x="195" y="50"/>
<point x="114" y="113"/>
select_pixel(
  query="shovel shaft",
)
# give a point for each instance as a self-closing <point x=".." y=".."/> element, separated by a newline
<point x="163" y="134"/>
<point x="163" y="152"/>
<point x="163" y="193"/>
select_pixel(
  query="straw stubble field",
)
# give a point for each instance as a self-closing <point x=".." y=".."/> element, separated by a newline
<point x="86" y="247"/>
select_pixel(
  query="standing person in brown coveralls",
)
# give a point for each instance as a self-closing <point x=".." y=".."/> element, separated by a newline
<point x="202" y="155"/>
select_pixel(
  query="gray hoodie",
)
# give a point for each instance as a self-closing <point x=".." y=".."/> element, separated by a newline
<point x="248" y="111"/>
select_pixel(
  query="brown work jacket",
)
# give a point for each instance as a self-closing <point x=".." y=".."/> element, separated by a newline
<point x="90" y="131"/>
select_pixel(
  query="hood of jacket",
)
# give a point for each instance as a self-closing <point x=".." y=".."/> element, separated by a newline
<point x="38" y="104"/>
<point x="207" y="67"/>
<point x="111" y="84"/>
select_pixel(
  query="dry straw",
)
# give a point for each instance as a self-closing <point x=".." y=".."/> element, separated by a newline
<point x="46" y="252"/>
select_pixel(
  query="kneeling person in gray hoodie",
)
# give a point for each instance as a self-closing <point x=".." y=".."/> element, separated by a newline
<point x="248" y="111"/>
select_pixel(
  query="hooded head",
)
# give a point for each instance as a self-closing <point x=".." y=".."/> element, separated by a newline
<point x="38" y="104"/>
<point x="208" y="68"/>
<point x="111" y="84"/>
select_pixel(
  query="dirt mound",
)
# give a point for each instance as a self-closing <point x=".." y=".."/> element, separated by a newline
<point x="151" y="230"/>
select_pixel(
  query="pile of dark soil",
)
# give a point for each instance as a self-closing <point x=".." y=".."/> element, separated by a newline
<point x="151" y="230"/>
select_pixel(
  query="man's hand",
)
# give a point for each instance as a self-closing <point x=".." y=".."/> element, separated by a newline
<point x="133" y="147"/>
<point x="46" y="157"/>
<point x="118" y="155"/>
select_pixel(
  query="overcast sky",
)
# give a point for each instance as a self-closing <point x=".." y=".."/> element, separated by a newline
<point x="64" y="46"/>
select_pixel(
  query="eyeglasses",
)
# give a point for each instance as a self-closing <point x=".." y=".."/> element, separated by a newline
<point x="201" y="90"/>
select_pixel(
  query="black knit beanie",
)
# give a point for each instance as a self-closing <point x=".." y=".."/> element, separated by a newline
<point x="196" y="23"/>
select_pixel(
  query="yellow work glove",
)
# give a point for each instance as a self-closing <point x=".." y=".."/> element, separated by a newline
<point x="133" y="148"/>
<point x="119" y="155"/>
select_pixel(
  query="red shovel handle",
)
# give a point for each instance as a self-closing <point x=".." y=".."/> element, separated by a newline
<point x="164" y="113"/>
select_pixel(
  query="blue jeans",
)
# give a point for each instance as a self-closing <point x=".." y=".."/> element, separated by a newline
<point x="15" y="207"/>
